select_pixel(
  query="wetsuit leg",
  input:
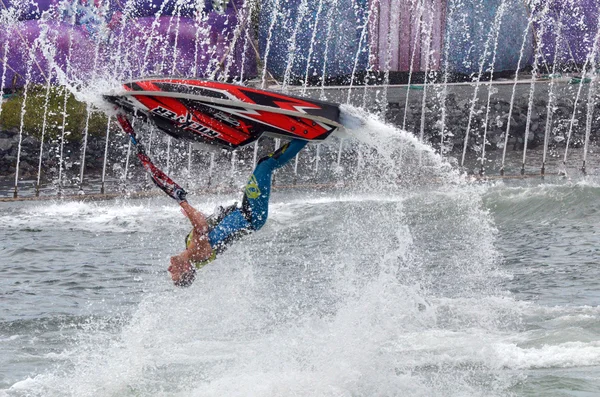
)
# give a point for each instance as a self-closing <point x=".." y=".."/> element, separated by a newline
<point x="258" y="189"/>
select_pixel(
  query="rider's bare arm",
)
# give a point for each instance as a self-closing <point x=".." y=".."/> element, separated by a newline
<point x="196" y="217"/>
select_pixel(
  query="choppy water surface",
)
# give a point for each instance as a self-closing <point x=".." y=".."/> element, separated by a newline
<point x="447" y="289"/>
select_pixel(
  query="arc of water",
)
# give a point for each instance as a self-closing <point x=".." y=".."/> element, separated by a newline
<point x="514" y="91"/>
<point x="22" y="120"/>
<point x="164" y="60"/>
<point x="339" y="156"/>
<point x="428" y="38"/>
<point x="105" y="154"/>
<point x="233" y="160"/>
<point x="537" y="39"/>
<point x="444" y="94"/>
<point x="359" y="159"/>
<point x="549" y="109"/>
<point x="149" y="147"/>
<point x="210" y="168"/>
<point x="200" y="28"/>
<point x="124" y="175"/>
<point x="167" y="168"/>
<point x="573" y="115"/>
<point x="44" y="123"/>
<point x="189" y="167"/>
<point x="128" y="154"/>
<point x="589" y="115"/>
<point x="317" y="159"/>
<point x="394" y="21"/>
<point x="5" y="66"/>
<point x="372" y="57"/>
<point x="534" y="72"/>
<point x="255" y="155"/>
<point x="293" y="44"/>
<point x="490" y="87"/>
<point x="66" y="94"/>
<point x="363" y="35"/>
<point x="248" y="40"/>
<point x="3" y="81"/>
<point x="274" y="16"/>
<point x="119" y="61"/>
<point x="227" y="60"/>
<point x="24" y="43"/>
<point x="584" y="74"/>
<point x="151" y="37"/>
<point x="251" y="4"/>
<point x="177" y="13"/>
<point x="312" y="45"/>
<point x="537" y="56"/>
<point x="87" y="118"/>
<point x="475" y="94"/>
<point x="412" y="63"/>
<point x="332" y="8"/>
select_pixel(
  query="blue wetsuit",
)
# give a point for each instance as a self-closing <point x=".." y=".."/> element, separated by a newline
<point x="255" y="205"/>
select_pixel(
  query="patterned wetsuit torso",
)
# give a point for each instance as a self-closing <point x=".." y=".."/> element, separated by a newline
<point x="253" y="214"/>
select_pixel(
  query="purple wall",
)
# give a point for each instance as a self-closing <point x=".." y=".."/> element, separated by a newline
<point x="190" y="43"/>
<point x="399" y="33"/>
<point x="574" y="23"/>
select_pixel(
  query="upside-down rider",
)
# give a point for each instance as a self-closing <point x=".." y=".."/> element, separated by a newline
<point x="212" y="235"/>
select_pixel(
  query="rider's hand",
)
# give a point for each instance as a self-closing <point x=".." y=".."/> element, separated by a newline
<point x="179" y="195"/>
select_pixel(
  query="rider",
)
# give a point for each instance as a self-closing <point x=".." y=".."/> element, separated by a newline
<point x="211" y="235"/>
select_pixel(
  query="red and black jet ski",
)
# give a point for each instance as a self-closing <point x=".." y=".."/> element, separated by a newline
<point x="223" y="114"/>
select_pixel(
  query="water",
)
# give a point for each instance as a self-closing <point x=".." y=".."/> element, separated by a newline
<point x="413" y="282"/>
